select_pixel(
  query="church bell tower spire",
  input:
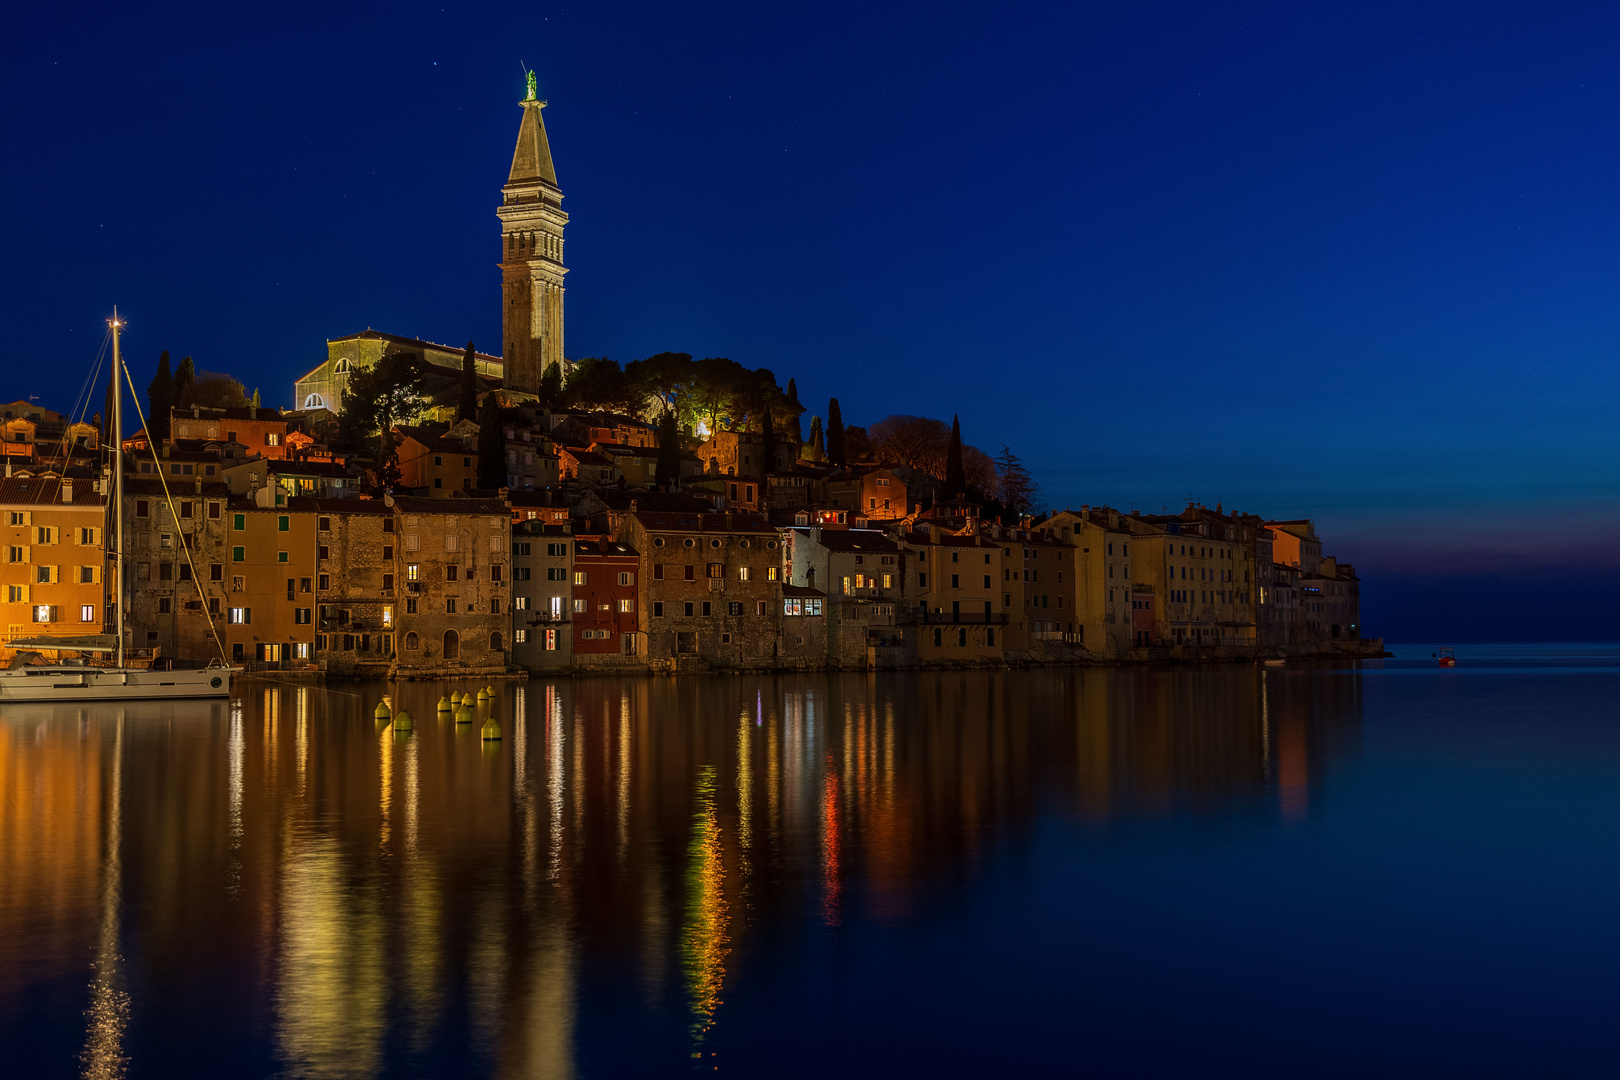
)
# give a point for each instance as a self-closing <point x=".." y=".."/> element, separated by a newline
<point x="532" y="270"/>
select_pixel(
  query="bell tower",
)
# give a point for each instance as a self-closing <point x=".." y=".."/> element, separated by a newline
<point x="532" y="270"/>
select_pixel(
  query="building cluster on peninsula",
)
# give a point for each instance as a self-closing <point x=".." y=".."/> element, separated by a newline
<point x="428" y="511"/>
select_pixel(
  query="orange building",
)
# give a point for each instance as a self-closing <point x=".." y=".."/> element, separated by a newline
<point x="270" y="572"/>
<point x="436" y="462"/>
<point x="261" y="431"/>
<point x="51" y="579"/>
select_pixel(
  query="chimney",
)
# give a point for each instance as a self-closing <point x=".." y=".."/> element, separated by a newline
<point x="196" y="412"/>
<point x="67" y="492"/>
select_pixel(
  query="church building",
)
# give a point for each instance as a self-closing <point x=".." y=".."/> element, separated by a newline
<point x="532" y="221"/>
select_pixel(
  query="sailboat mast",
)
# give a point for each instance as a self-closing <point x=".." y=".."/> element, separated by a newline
<point x="117" y="494"/>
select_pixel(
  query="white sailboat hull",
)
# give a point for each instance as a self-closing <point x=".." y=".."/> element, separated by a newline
<point x="69" y="684"/>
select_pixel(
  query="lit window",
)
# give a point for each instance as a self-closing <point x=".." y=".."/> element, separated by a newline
<point x="87" y="613"/>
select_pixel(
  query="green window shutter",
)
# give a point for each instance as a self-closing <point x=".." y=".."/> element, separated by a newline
<point x="238" y="554"/>
<point x="281" y="556"/>
<point x="239" y="522"/>
<point x="283" y="523"/>
<point x="247" y="614"/>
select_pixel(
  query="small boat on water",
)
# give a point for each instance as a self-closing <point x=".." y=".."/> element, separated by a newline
<point x="1447" y="657"/>
<point x="27" y="679"/>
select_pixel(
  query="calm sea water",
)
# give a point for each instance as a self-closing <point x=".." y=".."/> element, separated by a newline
<point x="1390" y="869"/>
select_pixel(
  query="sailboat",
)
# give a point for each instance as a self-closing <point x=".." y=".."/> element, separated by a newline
<point x="74" y="682"/>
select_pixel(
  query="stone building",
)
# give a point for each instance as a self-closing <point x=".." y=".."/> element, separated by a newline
<point x="357" y="584"/>
<point x="323" y="386"/>
<point x="453" y="559"/>
<point x="709" y="587"/>
<point x="174" y="611"/>
<point x="862" y="575"/>
<point x="542" y="597"/>
<point x="532" y="221"/>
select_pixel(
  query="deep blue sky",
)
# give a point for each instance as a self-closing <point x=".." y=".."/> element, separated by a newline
<point x="1359" y="263"/>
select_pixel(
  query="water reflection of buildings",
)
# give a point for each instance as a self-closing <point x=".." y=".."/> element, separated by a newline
<point x="390" y="899"/>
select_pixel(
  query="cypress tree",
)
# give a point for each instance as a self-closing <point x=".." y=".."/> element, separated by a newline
<point x="551" y="386"/>
<point x="185" y="380"/>
<point x="254" y="401"/>
<point x="159" y="399"/>
<point x="835" y="434"/>
<point x="467" y="409"/>
<point x="955" y="478"/>
<point x="793" y="400"/>
<point x="668" y="474"/>
<point x="491" y="446"/>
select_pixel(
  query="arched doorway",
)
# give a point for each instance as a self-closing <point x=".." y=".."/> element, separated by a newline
<point x="452" y="645"/>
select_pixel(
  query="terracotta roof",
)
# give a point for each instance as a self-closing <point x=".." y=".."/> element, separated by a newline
<point x="605" y="548"/>
<point x="46" y="491"/>
<point x="852" y="539"/>
<point x="790" y="592"/>
<point x="433" y="438"/>
<point x="410" y="504"/>
<point x="179" y="487"/>
<point x="340" y="506"/>
<point x="654" y="521"/>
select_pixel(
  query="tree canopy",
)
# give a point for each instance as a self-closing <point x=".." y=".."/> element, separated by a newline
<point x="377" y="398"/>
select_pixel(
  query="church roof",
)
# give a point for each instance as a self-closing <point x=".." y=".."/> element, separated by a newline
<point x="531" y="160"/>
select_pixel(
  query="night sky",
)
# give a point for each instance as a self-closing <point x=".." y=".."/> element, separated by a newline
<point x="1358" y="263"/>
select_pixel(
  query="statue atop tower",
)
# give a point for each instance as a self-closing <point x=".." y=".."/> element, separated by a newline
<point x="532" y="270"/>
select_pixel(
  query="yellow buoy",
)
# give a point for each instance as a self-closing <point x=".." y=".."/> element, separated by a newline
<point x="490" y="689"/>
<point x="382" y="712"/>
<point x="491" y="730"/>
<point x="482" y="697"/>
<point x="402" y="722"/>
<point x="446" y="705"/>
<point x="464" y="715"/>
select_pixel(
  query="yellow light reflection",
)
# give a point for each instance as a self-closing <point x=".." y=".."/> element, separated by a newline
<point x="704" y="940"/>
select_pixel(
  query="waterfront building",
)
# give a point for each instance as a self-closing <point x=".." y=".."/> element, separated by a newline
<point x="358" y="584"/>
<point x="51" y="579"/>
<point x="956" y="599"/>
<point x="542" y="596"/>
<point x="178" y="606"/>
<point x="861" y="578"/>
<point x="1105" y="593"/>
<point x="270" y="566"/>
<point x="605" y="618"/>
<point x="456" y="550"/>
<point x="710" y="586"/>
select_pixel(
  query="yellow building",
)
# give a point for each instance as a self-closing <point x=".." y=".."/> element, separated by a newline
<point x="1105" y="591"/>
<point x="957" y="583"/>
<point x="51" y="578"/>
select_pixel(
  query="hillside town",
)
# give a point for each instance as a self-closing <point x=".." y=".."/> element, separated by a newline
<point x="426" y="511"/>
<point x="248" y="537"/>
